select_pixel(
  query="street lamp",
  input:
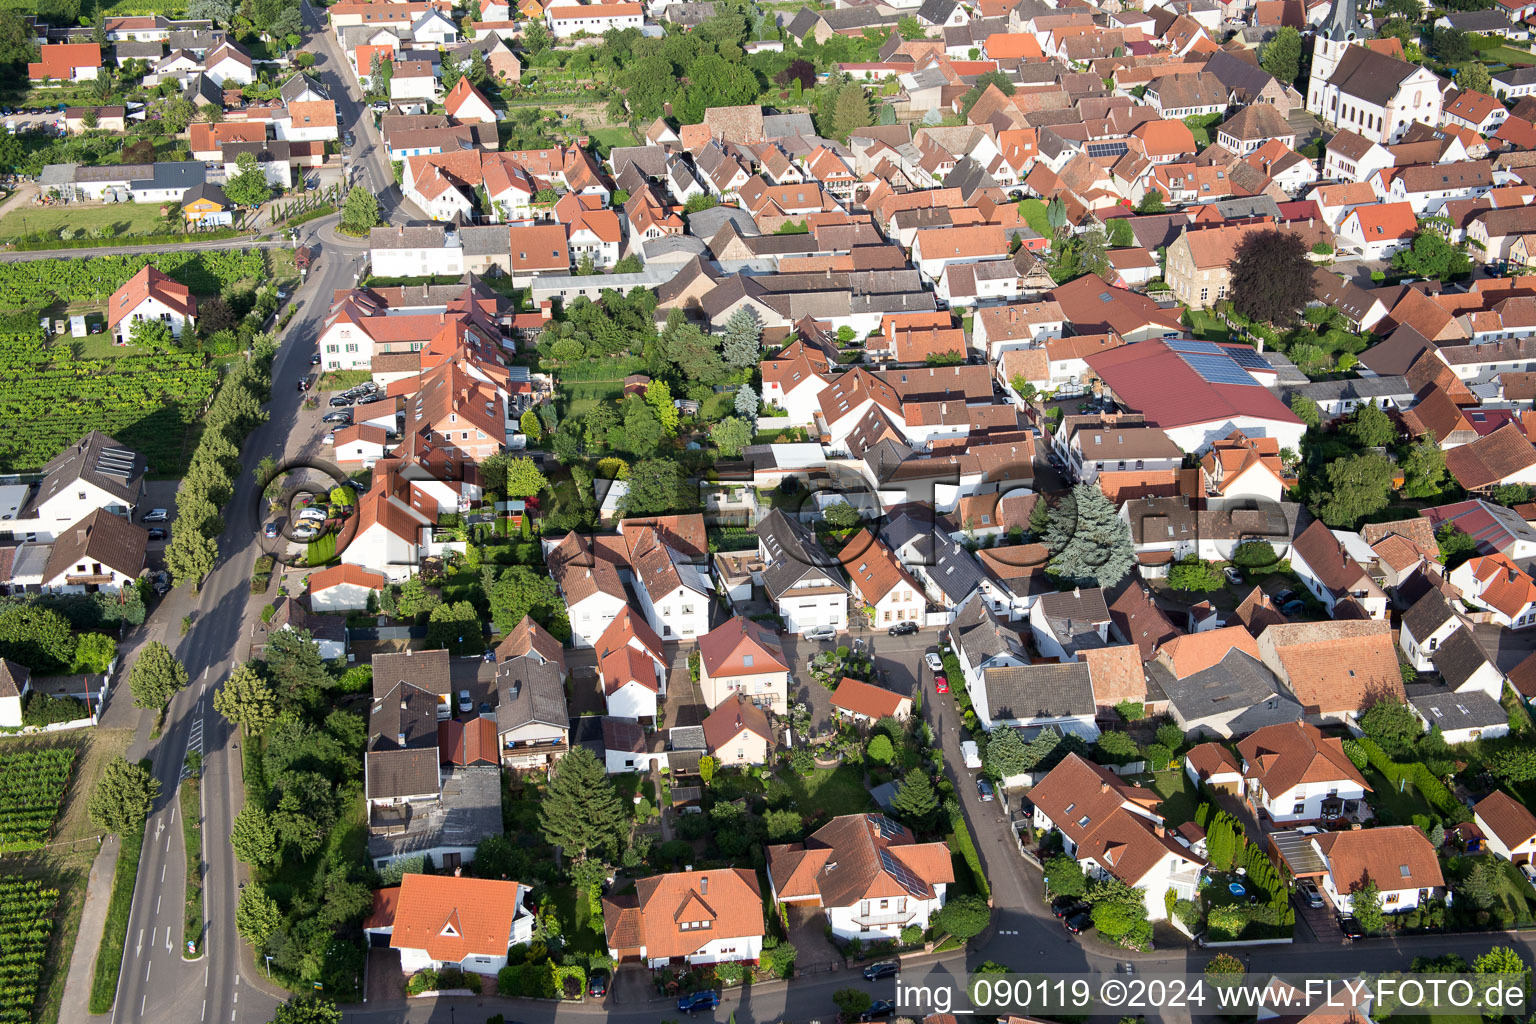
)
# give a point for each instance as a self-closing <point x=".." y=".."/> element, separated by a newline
<point x="269" y="966"/>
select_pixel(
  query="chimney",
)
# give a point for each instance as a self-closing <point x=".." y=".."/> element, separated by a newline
<point x="1159" y="831"/>
<point x="703" y="885"/>
<point x="400" y="738"/>
<point x="1103" y="785"/>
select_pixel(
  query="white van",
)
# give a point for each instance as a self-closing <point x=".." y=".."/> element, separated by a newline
<point x="970" y="754"/>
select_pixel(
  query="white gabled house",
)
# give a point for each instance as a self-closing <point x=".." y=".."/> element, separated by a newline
<point x="632" y="666"/>
<point x="439" y="921"/>
<point x="697" y="917"/>
<point x="1510" y="828"/>
<point x="1293" y="773"/>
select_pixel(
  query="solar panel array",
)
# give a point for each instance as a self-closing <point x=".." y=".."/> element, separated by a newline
<point x="887" y="828"/>
<point x="1191" y="345"/>
<point x="115" y="462"/>
<point x="1218" y="369"/>
<point x="897" y="870"/>
<point x="1100" y="149"/>
<point x="1245" y="356"/>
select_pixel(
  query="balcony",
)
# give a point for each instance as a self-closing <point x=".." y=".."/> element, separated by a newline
<point x="883" y="920"/>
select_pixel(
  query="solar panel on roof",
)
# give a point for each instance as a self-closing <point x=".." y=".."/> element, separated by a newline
<point x="1242" y="355"/>
<point x="1219" y="369"/>
<point x="1191" y="345"/>
<point x="897" y="870"/>
<point x="1101" y="149"/>
<point x="886" y="827"/>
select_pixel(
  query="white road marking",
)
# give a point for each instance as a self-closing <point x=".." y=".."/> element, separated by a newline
<point x="152" y="936"/>
<point x="204" y="1014"/>
<point x="140" y="947"/>
<point x="157" y="903"/>
<point x="167" y="940"/>
<point x="142" y="1001"/>
<point x="162" y="872"/>
<point x="237" y="998"/>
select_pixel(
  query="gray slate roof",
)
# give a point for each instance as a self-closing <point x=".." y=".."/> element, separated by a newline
<point x="1025" y="692"/>
<point x="1459" y="656"/>
<point x="1449" y="711"/>
<point x="1234" y="683"/>
<point x="955" y="571"/>
<point x="529" y="691"/>
<point x="99" y="460"/>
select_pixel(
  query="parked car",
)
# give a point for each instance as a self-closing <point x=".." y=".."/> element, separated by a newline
<point x="1066" y="906"/>
<point x="903" y="629"/>
<point x="340" y="401"/>
<point x="698" y="1001"/>
<point x="1351" y="929"/>
<point x="1078" y="923"/>
<point x="820" y="633"/>
<point x="935" y="662"/>
<point x="1306" y="892"/>
<point x="306" y="532"/>
<point x="984" y="790"/>
<point x="303" y="384"/>
<point x="597" y="984"/>
<point x="1293" y="607"/>
<point x="329" y="438"/>
<point x="466" y="704"/>
<point x="270" y="530"/>
<point x="940" y="684"/>
<point x="314" y="360"/>
<point x="155" y="515"/>
<point x="337" y="417"/>
<point x="311" y="515"/>
<point x="883" y="969"/>
<point x="1282" y="596"/>
<point x="878" y="1010"/>
<point x="157" y="533"/>
<point x="1233" y="574"/>
<point x="348" y="139"/>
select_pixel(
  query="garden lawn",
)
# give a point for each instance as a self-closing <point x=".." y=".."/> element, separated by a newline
<point x="829" y="791"/>
<point x="1033" y="212"/>
<point x="1395" y="808"/>
<point x="1179" y="797"/>
<point x="1207" y="325"/>
<point x="609" y="138"/>
<point x="1507" y="55"/>
<point x="126" y="218"/>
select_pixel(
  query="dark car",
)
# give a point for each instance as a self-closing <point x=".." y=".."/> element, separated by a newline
<point x="1293" y="607"/>
<point x="314" y="360"/>
<point x="270" y="530"/>
<point x="1351" y="929"/>
<point x="597" y="985"/>
<point x="1067" y="906"/>
<point x="157" y="534"/>
<point x="883" y="969"/>
<point x="1079" y="922"/>
<point x="984" y="790"/>
<point x="348" y="139"/>
<point x="903" y="628"/>
<point x="303" y="384"/>
<point x="878" y="1010"/>
<point x="337" y="417"/>
<point x="340" y="401"/>
<point x="698" y="1001"/>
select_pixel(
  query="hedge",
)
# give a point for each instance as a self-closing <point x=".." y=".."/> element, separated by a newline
<point x="1418" y="776"/>
<point x="960" y="842"/>
<point x="46" y="709"/>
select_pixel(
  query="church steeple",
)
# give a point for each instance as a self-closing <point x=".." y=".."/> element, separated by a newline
<point x="1342" y="24"/>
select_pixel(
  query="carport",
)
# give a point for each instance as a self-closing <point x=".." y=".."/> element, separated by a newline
<point x="1296" y="850"/>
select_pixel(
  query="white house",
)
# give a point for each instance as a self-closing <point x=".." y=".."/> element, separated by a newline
<point x="801" y="579"/>
<point x="700" y="917"/>
<point x="96" y="472"/>
<point x="102" y="552"/>
<point x="466" y="104"/>
<point x="1398" y="858"/>
<point x="413" y="80"/>
<point x="867" y="872"/>
<point x="228" y="66"/>
<point x="632" y="666"/>
<point x="675" y="593"/>
<point x="1327" y="570"/>
<point x="1293" y="773"/>
<point x="1112" y="830"/>
<point x="1509" y="827"/>
<point x="14" y="682"/>
<point x="1425" y="626"/>
<point x="593" y="19"/>
<point x="391" y="536"/>
<point x="1499" y="586"/>
<point x="593" y="591"/>
<point x="439" y="921"/>
<point x="1461" y="717"/>
<point x="149" y="295"/>
<point x="344" y="588"/>
<point x="890" y="594"/>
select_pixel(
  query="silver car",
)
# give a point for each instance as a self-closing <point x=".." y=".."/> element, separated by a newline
<point x="819" y="633"/>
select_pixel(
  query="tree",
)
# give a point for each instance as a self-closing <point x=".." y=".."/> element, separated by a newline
<point x="1392" y="724"/>
<point x="309" y="1009"/>
<point x="1514" y="765"/>
<point x="246" y="700"/>
<point x="152" y="335"/>
<point x="123" y="797"/>
<point x="360" y="212"/>
<point x="746" y="403"/>
<point x="1500" y="960"/>
<point x="523" y="479"/>
<point x="1432" y="255"/>
<point x="190" y="556"/>
<point x="38" y="638"/>
<point x="1357" y="487"/>
<point x="1473" y="77"/>
<point x="916" y="803"/>
<point x="252" y="837"/>
<point x="879" y="749"/>
<point x="221" y="12"/>
<point x="655" y="487"/>
<point x="742" y="344"/>
<point x="1424" y="474"/>
<point x="1371" y="427"/>
<point x="1192" y="573"/>
<point x="851" y="111"/>
<point x="1449" y="45"/>
<point x="1152" y="202"/>
<point x="1365" y="903"/>
<point x="16" y="39"/>
<point x="964" y="917"/>
<point x="1088" y="540"/>
<point x="1118" y="747"/>
<point x="783" y="826"/>
<point x="456" y="628"/>
<point x="1481" y="883"/>
<point x="707" y="767"/>
<point x="799" y="70"/>
<point x="449" y="73"/>
<point x="382" y="68"/>
<point x="94" y="653"/>
<point x="1064" y="875"/>
<point x="851" y="1002"/>
<point x="581" y="812"/>
<point x="1120" y="234"/>
<point x="528" y="423"/>
<point x="731" y="435"/>
<point x="257" y="916"/>
<point x="1271" y="277"/>
<point x="536" y="38"/>
<point x="415" y="599"/>
<point x="841" y="516"/>
<point x="658" y="395"/>
<point x="1282" y="56"/>
<point x="249" y="185"/>
<point x="1226" y="963"/>
<point x="156" y="676"/>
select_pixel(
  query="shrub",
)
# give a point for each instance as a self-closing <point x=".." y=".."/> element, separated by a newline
<point x="44" y="709"/>
<point x="422" y="981"/>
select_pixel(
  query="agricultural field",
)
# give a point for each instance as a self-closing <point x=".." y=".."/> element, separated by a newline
<point x="126" y="219"/>
<point x="48" y="399"/>
<point x="26" y="921"/>
<point x="32" y="784"/>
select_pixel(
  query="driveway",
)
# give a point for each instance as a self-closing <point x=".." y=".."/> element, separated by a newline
<point x="386" y="983"/>
<point x="631" y="984"/>
<point x="685" y="698"/>
<point x="808" y="934"/>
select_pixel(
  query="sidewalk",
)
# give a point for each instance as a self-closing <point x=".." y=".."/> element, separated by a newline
<point x="93" y="920"/>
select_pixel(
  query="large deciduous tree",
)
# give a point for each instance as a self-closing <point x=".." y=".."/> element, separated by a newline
<point x="156" y="676"/>
<point x="122" y="798"/>
<point x="1271" y="277"/>
<point x="246" y="700"/>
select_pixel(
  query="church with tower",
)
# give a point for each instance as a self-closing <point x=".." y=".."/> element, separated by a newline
<point x="1362" y="85"/>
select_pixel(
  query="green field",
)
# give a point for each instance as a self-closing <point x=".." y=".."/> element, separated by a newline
<point x="124" y="218"/>
<point x="1033" y="212"/>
